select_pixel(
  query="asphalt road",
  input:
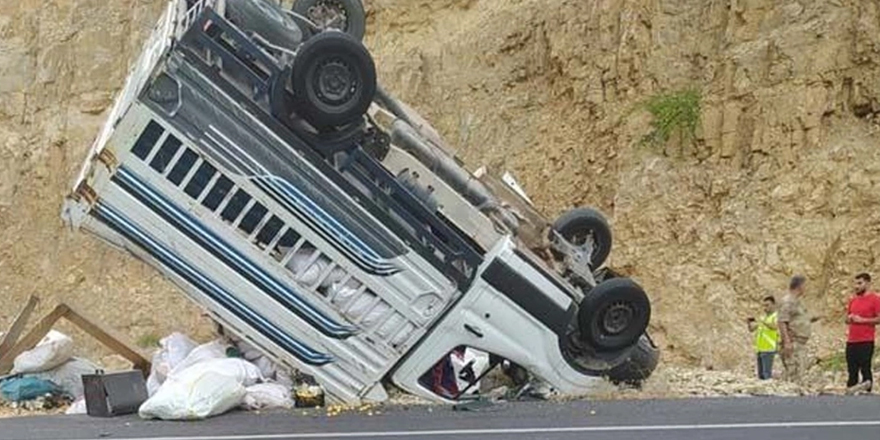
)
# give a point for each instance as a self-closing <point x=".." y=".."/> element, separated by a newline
<point x="819" y="418"/>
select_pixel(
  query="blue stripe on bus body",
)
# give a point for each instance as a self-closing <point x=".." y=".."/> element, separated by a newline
<point x="350" y="244"/>
<point x="211" y="288"/>
<point x="226" y="253"/>
<point x="294" y="199"/>
<point x="303" y="201"/>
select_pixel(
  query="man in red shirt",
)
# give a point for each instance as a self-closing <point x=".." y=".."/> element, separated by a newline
<point x="862" y="315"/>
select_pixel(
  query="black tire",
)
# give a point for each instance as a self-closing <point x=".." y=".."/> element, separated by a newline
<point x="355" y="23"/>
<point x="577" y="223"/>
<point x="614" y="314"/>
<point x="267" y="19"/>
<point x="333" y="80"/>
<point x="639" y="365"/>
<point x="281" y="107"/>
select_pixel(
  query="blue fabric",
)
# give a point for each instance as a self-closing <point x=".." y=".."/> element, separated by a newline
<point x="17" y="389"/>
<point x="765" y="365"/>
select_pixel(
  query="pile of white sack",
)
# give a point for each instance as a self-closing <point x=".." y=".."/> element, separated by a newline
<point x="190" y="381"/>
<point x="52" y="360"/>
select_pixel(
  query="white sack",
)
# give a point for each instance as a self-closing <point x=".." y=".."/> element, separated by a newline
<point x="267" y="368"/>
<point x="178" y="346"/>
<point x="204" y="389"/>
<point x="309" y="275"/>
<point x="203" y="353"/>
<point x="194" y="394"/>
<point x="267" y="395"/>
<point x="174" y="348"/>
<point x="68" y="375"/>
<point x="55" y="349"/>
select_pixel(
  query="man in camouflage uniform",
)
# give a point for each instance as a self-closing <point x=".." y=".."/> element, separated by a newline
<point x="794" y="328"/>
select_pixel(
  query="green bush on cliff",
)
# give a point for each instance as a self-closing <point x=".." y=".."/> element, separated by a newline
<point x="674" y="114"/>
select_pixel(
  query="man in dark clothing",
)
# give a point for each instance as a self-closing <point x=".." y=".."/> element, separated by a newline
<point x="862" y="315"/>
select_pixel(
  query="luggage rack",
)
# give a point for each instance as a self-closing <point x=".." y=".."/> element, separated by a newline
<point x="251" y="76"/>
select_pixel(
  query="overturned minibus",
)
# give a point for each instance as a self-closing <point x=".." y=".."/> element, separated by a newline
<point x="253" y="159"/>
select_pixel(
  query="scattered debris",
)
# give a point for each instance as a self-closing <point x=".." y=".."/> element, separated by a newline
<point x="77" y="407"/>
<point x="42" y="404"/>
<point x="399" y="397"/>
<point x="44" y="373"/>
<point x="498" y="392"/>
<point x="44" y="326"/>
<point x="19" y="389"/>
<point x="478" y="405"/>
<point x="29" y="409"/>
<point x="704" y="383"/>
<point x="468" y="366"/>
<point x="68" y="376"/>
<point x="680" y="382"/>
<point x="309" y="396"/>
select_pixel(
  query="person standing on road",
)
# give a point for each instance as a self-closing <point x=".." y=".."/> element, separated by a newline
<point x="862" y="315"/>
<point x="794" y="327"/>
<point x="766" y="337"/>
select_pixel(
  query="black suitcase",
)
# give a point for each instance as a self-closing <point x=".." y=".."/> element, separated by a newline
<point x="113" y="394"/>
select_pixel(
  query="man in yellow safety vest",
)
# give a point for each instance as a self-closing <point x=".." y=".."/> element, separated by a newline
<point x="766" y="338"/>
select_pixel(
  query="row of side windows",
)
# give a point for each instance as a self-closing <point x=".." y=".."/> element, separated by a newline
<point x="206" y="185"/>
<point x="182" y="166"/>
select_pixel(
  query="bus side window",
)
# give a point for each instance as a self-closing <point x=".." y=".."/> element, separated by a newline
<point x="147" y="140"/>
<point x="200" y="180"/>
<point x="182" y="167"/>
<point x="165" y="154"/>
<point x="218" y="192"/>
<point x="234" y="207"/>
<point x="269" y="232"/>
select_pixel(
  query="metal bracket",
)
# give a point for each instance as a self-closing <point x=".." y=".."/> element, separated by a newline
<point x="577" y="257"/>
<point x="86" y="193"/>
<point x="108" y="159"/>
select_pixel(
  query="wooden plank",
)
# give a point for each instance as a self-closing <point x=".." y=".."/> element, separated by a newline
<point x="32" y="338"/>
<point x="18" y="324"/>
<point x="109" y="338"/>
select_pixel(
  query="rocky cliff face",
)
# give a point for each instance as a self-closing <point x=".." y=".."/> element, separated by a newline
<point x="61" y="62"/>
<point x="781" y="178"/>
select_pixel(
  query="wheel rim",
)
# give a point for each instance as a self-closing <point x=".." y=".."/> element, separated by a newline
<point x="328" y="14"/>
<point x="585" y="241"/>
<point x="583" y="247"/>
<point x="334" y="82"/>
<point x="617" y="318"/>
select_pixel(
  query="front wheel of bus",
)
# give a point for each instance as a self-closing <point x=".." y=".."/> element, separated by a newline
<point x="614" y="314"/>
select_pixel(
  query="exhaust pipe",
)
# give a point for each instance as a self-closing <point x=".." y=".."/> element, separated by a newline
<point x="444" y="166"/>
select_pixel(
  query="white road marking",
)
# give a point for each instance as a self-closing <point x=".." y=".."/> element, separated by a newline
<point x="514" y="431"/>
